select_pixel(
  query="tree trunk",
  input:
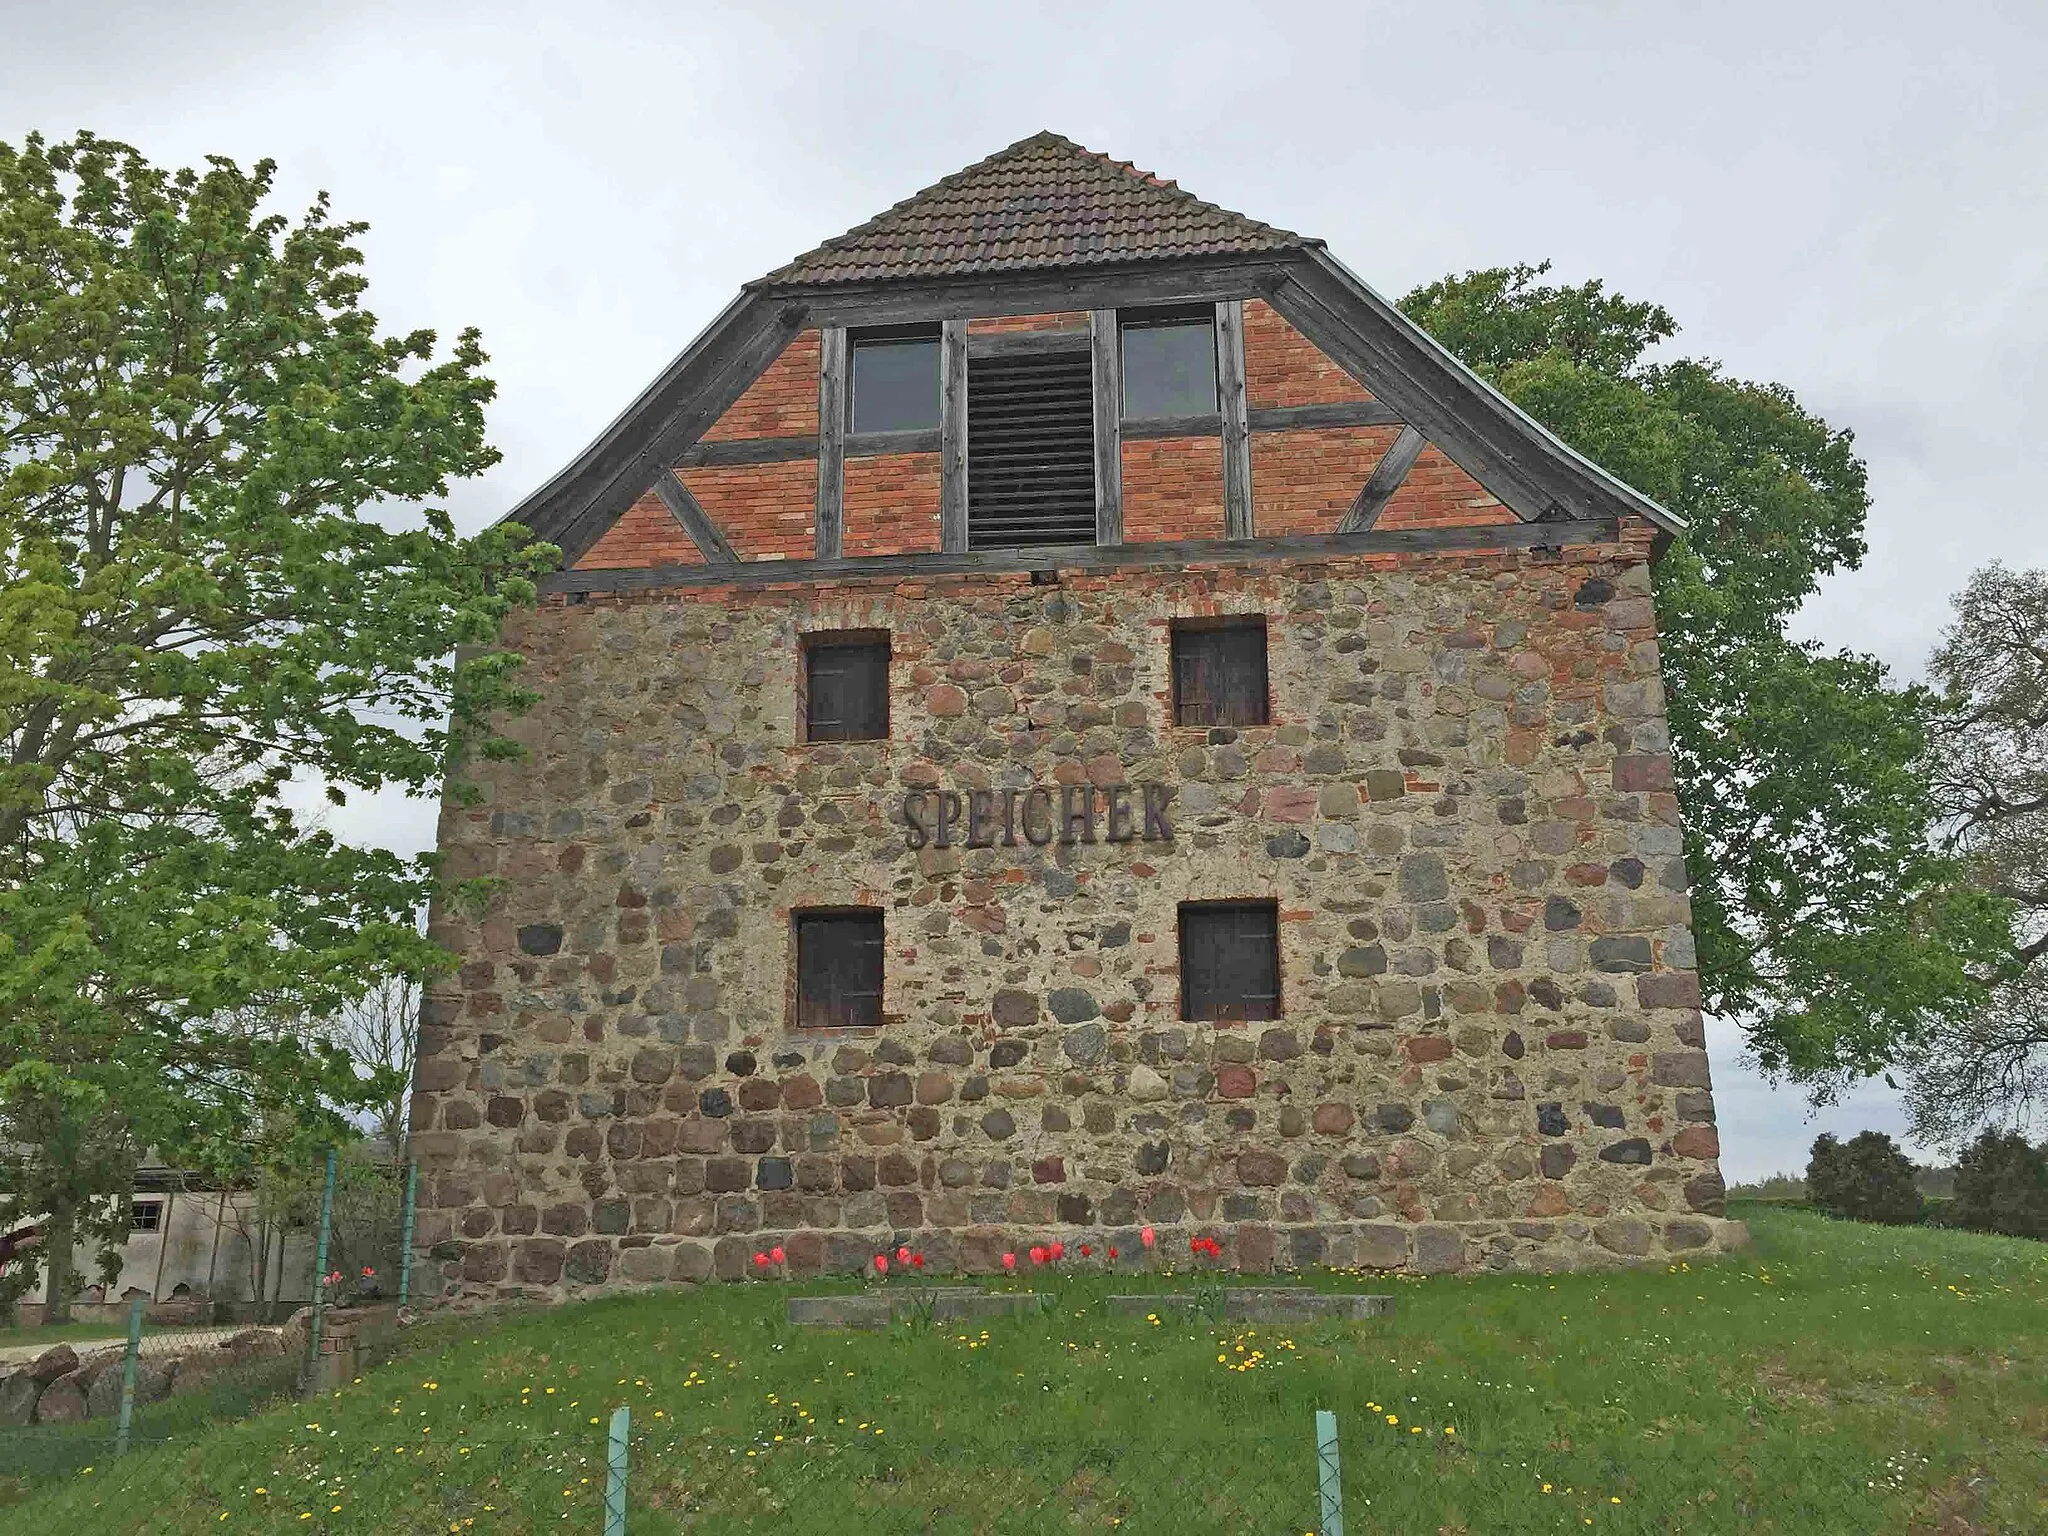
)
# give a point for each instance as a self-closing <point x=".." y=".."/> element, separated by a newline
<point x="58" y="1267"/>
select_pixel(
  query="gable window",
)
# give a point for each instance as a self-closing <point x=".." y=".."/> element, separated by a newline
<point x="1229" y="960"/>
<point x="146" y="1216"/>
<point x="1169" y="364"/>
<point x="846" y="686"/>
<point x="839" y="969"/>
<point x="1219" y="672"/>
<point x="895" y="381"/>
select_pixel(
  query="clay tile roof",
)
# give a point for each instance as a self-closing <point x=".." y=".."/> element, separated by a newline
<point x="1044" y="202"/>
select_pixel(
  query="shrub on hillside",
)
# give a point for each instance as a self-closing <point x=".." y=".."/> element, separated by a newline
<point x="2002" y="1186"/>
<point x="1866" y="1178"/>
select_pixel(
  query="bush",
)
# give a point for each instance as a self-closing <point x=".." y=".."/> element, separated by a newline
<point x="2002" y="1186"/>
<point x="1866" y="1178"/>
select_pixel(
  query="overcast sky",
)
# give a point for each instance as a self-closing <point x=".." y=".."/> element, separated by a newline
<point x="1847" y="199"/>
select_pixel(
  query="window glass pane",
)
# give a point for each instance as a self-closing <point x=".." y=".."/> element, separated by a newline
<point x="1169" y="370"/>
<point x="846" y="690"/>
<point x="895" y="385"/>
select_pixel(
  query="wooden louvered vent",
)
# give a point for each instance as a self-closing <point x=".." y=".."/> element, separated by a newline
<point x="1030" y="450"/>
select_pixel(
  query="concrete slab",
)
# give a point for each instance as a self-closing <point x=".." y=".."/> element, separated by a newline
<point x="948" y="1303"/>
<point x="1265" y="1304"/>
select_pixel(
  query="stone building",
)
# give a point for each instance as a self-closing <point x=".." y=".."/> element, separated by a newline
<point x="1062" y="712"/>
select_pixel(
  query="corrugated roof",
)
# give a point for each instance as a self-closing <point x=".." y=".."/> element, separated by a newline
<point x="1044" y="202"/>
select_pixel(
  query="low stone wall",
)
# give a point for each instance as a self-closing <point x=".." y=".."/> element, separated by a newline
<point x="184" y="1312"/>
<point x="63" y="1385"/>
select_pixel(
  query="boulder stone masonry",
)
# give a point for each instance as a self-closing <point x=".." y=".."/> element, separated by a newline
<point x="1491" y="1052"/>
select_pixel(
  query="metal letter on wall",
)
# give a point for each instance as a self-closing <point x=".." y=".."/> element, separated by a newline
<point x="1076" y="813"/>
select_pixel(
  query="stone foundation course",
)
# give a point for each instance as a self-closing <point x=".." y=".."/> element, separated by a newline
<point x="1489" y="1054"/>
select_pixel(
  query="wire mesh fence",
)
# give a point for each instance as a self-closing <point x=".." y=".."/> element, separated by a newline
<point x="1260" y="1488"/>
<point x="73" y="1407"/>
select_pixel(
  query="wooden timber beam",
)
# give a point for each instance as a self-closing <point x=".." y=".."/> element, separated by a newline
<point x="697" y="523"/>
<point x="1472" y="538"/>
<point x="1385" y="479"/>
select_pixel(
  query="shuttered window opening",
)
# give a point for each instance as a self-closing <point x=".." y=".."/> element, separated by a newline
<point x="1219" y="672"/>
<point x="1030" y="450"/>
<point x="846" y="686"/>
<point x="1229" y="960"/>
<point x="839" y="969"/>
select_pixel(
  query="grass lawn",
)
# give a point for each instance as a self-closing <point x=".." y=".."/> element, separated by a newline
<point x="1838" y="1378"/>
<point x="14" y="1340"/>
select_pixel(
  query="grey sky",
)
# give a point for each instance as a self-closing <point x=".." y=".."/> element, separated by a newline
<point x="1846" y="198"/>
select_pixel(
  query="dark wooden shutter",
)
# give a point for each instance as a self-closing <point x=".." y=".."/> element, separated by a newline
<point x="1219" y="673"/>
<point x="839" y="970"/>
<point x="846" y="690"/>
<point x="1030" y="449"/>
<point x="1230" y="960"/>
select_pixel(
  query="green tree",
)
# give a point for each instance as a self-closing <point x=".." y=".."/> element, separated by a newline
<point x="217" y="580"/>
<point x="1866" y="1178"/>
<point x="1990" y="766"/>
<point x="1829" y="925"/>
<point x="2002" y="1186"/>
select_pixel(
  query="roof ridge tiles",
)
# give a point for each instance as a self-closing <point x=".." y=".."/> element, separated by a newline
<point x="1042" y="202"/>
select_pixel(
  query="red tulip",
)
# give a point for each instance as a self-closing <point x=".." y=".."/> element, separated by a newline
<point x="1112" y="1253"/>
<point x="903" y="1255"/>
<point x="1148" y="1237"/>
<point x="777" y="1255"/>
<point x="1058" y="1250"/>
<point x="760" y="1261"/>
<point x="1084" y="1250"/>
<point x="1009" y="1261"/>
<point x="881" y="1263"/>
<point x="1038" y="1255"/>
<point x="917" y="1259"/>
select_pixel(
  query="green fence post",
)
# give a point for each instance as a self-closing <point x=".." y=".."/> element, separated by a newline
<point x="311" y="1375"/>
<point x="1329" y="1483"/>
<point x="615" y="1482"/>
<point x="129" y="1361"/>
<point x="412" y="1190"/>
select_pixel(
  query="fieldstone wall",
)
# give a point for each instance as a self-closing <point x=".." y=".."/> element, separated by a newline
<point x="1491" y="1054"/>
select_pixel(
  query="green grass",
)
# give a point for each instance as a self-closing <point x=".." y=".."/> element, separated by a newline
<point x="59" y="1333"/>
<point x="1838" y="1378"/>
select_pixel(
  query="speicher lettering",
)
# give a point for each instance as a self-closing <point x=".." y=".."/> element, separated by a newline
<point x="1041" y="814"/>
